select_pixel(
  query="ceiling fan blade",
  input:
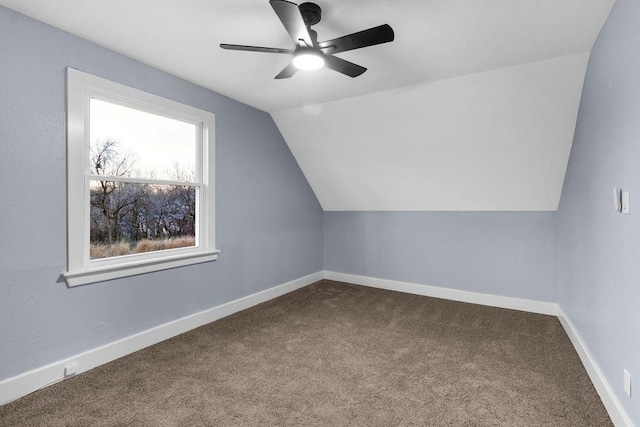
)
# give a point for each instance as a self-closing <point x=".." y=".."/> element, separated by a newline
<point x="255" y="48"/>
<point x="342" y="66"/>
<point x="372" y="36"/>
<point x="291" y="18"/>
<point x="288" y="71"/>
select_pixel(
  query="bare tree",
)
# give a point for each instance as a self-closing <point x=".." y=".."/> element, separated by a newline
<point x="129" y="212"/>
<point x="114" y="199"/>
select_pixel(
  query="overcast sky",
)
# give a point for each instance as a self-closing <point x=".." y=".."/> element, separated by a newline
<point x="158" y="143"/>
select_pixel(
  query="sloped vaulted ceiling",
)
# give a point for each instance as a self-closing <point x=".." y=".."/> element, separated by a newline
<point x="496" y="140"/>
<point x="472" y="107"/>
<point x="489" y="127"/>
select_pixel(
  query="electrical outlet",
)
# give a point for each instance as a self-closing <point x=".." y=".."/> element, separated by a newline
<point x="627" y="383"/>
<point x="626" y="202"/>
<point x="70" y="370"/>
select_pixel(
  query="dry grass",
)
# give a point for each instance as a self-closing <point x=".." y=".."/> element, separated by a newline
<point x="144" y="245"/>
<point x="105" y="251"/>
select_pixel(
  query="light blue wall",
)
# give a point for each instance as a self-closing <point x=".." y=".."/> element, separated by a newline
<point x="598" y="249"/>
<point x="269" y="223"/>
<point x="507" y="254"/>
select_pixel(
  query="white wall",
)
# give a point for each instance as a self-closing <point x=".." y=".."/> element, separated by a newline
<point x="494" y="141"/>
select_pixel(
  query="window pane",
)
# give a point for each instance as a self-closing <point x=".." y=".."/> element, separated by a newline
<point x="133" y="143"/>
<point x="129" y="218"/>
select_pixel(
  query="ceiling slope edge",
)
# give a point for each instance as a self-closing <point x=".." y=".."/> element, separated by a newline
<point x="312" y="107"/>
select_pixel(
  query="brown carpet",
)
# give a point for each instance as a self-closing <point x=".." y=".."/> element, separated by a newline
<point x="334" y="354"/>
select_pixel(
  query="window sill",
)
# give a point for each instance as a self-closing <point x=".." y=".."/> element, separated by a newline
<point x="85" y="277"/>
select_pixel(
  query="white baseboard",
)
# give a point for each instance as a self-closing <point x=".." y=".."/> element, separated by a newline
<point x="608" y="397"/>
<point x="28" y="382"/>
<point x="531" y="306"/>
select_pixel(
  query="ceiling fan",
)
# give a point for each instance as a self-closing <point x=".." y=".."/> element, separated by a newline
<point x="308" y="53"/>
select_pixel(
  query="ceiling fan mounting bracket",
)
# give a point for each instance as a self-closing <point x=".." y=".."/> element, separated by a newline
<point x="311" y="13"/>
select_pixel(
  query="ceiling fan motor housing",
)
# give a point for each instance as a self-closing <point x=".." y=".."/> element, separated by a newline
<point x="311" y="13"/>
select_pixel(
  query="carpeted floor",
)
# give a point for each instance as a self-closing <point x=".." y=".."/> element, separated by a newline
<point x="334" y="354"/>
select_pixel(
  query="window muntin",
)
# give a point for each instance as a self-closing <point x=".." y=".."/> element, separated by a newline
<point x="140" y="181"/>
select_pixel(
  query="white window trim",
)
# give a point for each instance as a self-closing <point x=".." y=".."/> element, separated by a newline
<point x="80" y="269"/>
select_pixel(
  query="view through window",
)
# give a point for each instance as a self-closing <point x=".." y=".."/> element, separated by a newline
<point x="142" y="180"/>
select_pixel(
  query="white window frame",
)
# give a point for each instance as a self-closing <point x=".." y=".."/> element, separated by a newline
<point x="81" y="270"/>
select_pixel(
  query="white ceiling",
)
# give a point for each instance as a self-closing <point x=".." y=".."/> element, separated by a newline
<point x="472" y="107"/>
<point x="435" y="39"/>
<point x="492" y="141"/>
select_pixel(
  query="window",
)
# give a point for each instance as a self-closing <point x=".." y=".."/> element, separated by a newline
<point x="140" y="181"/>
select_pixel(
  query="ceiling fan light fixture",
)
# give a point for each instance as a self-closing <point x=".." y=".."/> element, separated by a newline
<point x="308" y="60"/>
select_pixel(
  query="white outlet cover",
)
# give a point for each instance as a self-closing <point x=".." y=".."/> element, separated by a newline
<point x="70" y="369"/>
<point x="626" y="202"/>
<point x="627" y="383"/>
<point x="616" y="200"/>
